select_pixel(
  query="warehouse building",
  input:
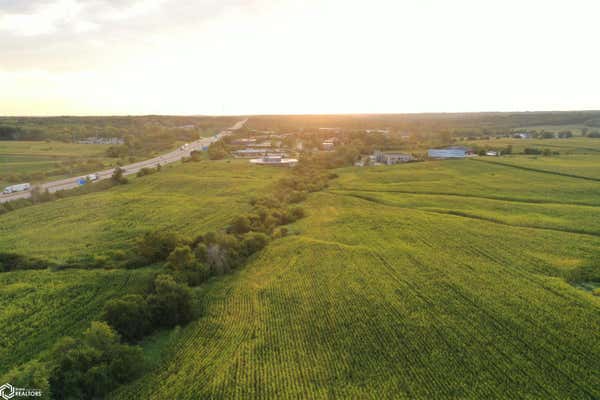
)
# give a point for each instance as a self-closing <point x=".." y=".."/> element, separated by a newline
<point x="392" y="158"/>
<point x="450" y="152"/>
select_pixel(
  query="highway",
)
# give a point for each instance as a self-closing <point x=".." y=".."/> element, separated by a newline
<point x="167" y="158"/>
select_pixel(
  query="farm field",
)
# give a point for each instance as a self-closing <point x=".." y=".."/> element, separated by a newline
<point x="39" y="307"/>
<point x="24" y="157"/>
<point x="575" y="145"/>
<point x="191" y="198"/>
<point x="389" y="291"/>
<point x="585" y="166"/>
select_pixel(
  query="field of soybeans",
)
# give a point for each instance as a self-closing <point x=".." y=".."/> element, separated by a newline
<point x="445" y="279"/>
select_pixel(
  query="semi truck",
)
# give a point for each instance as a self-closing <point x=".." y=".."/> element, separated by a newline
<point x="21" y="187"/>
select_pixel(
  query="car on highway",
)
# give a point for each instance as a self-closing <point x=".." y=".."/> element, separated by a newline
<point x="92" y="177"/>
<point x="21" y="187"/>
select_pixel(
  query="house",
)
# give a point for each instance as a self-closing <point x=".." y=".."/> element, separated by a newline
<point x="450" y="152"/>
<point x="392" y="158"/>
<point x="277" y="160"/>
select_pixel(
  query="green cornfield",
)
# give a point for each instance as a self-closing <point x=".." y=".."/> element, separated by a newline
<point x="424" y="281"/>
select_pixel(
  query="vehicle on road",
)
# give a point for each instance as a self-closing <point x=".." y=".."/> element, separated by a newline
<point x="21" y="187"/>
<point x="92" y="177"/>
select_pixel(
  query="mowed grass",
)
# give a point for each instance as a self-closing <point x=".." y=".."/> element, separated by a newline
<point x="190" y="199"/>
<point x="40" y="307"/>
<point x="385" y="297"/>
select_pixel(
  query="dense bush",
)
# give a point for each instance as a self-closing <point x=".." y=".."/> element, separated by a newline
<point x="92" y="366"/>
<point x="186" y="267"/>
<point x="217" y="150"/>
<point x="147" y="171"/>
<point x="170" y="303"/>
<point x="157" y="245"/>
<point x="532" y="150"/>
<point x="11" y="262"/>
<point x="129" y="316"/>
<point x="253" y="242"/>
<point x="118" y="177"/>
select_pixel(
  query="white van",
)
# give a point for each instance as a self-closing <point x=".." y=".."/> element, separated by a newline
<point x="21" y="187"/>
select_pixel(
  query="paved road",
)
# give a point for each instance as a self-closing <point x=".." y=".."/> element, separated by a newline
<point x="167" y="158"/>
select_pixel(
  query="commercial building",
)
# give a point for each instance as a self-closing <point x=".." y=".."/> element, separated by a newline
<point x="275" y="160"/>
<point x="450" y="152"/>
<point x="392" y="158"/>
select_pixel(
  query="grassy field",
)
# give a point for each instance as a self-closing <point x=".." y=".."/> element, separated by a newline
<point x="191" y="198"/>
<point x="22" y="157"/>
<point x="574" y="145"/>
<point x="389" y="291"/>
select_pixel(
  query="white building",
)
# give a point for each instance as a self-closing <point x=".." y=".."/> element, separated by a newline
<point x="275" y="160"/>
<point x="392" y="158"/>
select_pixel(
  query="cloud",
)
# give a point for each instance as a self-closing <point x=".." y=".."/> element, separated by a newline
<point x="75" y="34"/>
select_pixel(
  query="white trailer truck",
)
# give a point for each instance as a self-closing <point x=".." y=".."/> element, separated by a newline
<point x="21" y="187"/>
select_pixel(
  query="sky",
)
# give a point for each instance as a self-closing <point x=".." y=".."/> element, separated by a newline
<point x="234" y="57"/>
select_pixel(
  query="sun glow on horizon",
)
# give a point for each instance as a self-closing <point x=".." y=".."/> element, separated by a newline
<point x="298" y="57"/>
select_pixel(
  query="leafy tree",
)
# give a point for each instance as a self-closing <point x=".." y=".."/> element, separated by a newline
<point x="157" y="245"/>
<point x="217" y="151"/>
<point x="33" y="374"/>
<point x="240" y="225"/>
<point x="181" y="258"/>
<point x="129" y="316"/>
<point x="253" y="242"/>
<point x="171" y="303"/>
<point x="118" y="177"/>
<point x="90" y="367"/>
<point x="186" y="267"/>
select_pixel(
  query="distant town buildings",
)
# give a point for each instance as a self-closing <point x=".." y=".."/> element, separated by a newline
<point x="243" y="141"/>
<point x="328" y="144"/>
<point x="101" y="140"/>
<point x="390" y="158"/>
<point x="334" y="130"/>
<point x="450" y="152"/>
<point x="264" y="144"/>
<point x="277" y="160"/>
<point x="249" y="153"/>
